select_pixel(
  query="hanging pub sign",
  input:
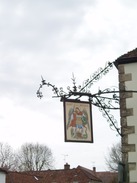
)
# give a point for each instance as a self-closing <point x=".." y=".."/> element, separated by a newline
<point x="78" y="121"/>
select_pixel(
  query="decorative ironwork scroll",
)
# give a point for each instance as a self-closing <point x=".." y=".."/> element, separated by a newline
<point x="59" y="92"/>
<point x="95" y="77"/>
<point x="106" y="100"/>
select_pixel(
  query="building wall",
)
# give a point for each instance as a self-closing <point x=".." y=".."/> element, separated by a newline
<point x="128" y="105"/>
<point x="2" y="177"/>
<point x="132" y="120"/>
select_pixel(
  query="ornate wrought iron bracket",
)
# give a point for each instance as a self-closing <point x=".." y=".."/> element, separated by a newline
<point x="84" y="88"/>
<point x="105" y="100"/>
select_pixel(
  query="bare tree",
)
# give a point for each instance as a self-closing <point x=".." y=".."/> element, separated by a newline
<point x="34" y="157"/>
<point x="7" y="157"/>
<point x="114" y="157"/>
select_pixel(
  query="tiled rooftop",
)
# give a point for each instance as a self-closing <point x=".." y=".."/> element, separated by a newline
<point x="107" y="177"/>
<point x="66" y="175"/>
<point x="79" y="174"/>
<point x="129" y="57"/>
<point x="129" y="54"/>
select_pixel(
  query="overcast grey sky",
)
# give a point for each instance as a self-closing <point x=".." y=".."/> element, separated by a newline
<point x="55" y="38"/>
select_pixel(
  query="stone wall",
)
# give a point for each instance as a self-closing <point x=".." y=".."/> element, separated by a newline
<point x="127" y="75"/>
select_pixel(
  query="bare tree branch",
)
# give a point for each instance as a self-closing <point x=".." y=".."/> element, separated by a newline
<point x="7" y="157"/>
<point x="34" y="157"/>
<point x="114" y="157"/>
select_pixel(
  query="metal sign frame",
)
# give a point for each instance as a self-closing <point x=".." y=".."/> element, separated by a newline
<point x="78" y="121"/>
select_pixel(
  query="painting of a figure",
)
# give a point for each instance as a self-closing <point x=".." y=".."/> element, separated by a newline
<point x="78" y="122"/>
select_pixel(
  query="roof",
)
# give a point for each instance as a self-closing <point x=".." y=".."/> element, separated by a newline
<point x="129" y="57"/>
<point x="90" y="173"/>
<point x="22" y="177"/>
<point x="107" y="177"/>
<point x="80" y="174"/>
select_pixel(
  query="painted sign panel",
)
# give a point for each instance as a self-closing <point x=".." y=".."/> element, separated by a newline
<point x="78" y="121"/>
